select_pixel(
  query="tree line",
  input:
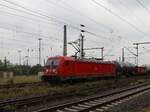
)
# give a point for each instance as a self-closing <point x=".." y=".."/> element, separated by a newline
<point x="19" y="69"/>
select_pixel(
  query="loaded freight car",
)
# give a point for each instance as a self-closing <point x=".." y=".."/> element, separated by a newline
<point x="140" y="70"/>
<point x="63" y="68"/>
<point x="126" y="69"/>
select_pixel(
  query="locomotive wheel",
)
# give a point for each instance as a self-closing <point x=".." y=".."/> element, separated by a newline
<point x="44" y="79"/>
<point x="55" y="80"/>
<point x="70" y="80"/>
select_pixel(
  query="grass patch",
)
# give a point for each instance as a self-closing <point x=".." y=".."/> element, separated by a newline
<point x="26" y="79"/>
<point x="63" y="89"/>
<point x="20" y="79"/>
<point x="51" y="89"/>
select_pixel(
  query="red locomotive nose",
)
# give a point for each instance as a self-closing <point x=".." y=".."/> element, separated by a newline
<point x="47" y="70"/>
<point x="51" y="71"/>
<point x="54" y="71"/>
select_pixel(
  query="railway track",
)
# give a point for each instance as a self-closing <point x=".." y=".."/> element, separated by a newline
<point x="100" y="103"/>
<point x="33" y="100"/>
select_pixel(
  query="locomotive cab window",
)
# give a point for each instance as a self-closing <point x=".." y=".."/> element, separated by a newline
<point x="52" y="63"/>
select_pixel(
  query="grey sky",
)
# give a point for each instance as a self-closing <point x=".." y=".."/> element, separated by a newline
<point x="20" y="28"/>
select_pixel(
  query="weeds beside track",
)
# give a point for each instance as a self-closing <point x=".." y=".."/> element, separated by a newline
<point x="99" y="103"/>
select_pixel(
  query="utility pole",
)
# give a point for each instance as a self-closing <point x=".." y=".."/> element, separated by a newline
<point x="5" y="61"/>
<point x="19" y="56"/>
<point x="65" y="41"/>
<point x="81" y="46"/>
<point x="28" y="57"/>
<point x="119" y="59"/>
<point x="122" y="54"/>
<point x="137" y="53"/>
<point x="44" y="61"/>
<point x="137" y="48"/>
<point x="82" y="43"/>
<point x="102" y="56"/>
<point x="40" y="51"/>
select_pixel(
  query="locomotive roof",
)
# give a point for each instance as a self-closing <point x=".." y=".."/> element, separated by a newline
<point x="62" y="57"/>
<point x="81" y="60"/>
<point x="94" y="61"/>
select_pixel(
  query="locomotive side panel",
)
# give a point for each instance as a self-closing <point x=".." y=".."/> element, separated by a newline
<point x="67" y="68"/>
<point x="109" y="69"/>
<point x="94" y="69"/>
<point x="83" y="68"/>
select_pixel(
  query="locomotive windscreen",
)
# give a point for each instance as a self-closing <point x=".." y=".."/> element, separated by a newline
<point x="52" y="63"/>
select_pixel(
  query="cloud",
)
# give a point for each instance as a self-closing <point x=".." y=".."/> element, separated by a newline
<point x="112" y="32"/>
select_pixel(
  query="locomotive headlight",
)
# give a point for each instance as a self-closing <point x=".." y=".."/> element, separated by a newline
<point x="54" y="71"/>
<point x="46" y="70"/>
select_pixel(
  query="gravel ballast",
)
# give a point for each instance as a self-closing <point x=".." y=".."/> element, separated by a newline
<point x="137" y="104"/>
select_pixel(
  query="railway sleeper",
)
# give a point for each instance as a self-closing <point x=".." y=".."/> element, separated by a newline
<point x="78" y="107"/>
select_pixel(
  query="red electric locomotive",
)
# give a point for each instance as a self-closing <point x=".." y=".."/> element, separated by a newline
<point x="61" y="68"/>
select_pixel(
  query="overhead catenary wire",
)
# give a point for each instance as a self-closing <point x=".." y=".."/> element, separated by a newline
<point x="119" y="17"/>
<point x="25" y="12"/>
<point x="43" y="16"/>
<point x="131" y="12"/>
<point x="55" y="19"/>
<point x="33" y="13"/>
<point x="33" y="34"/>
<point x="67" y="7"/>
<point x="139" y="1"/>
<point x="45" y="19"/>
<point x="85" y="31"/>
<point x="22" y="42"/>
<point x="130" y="51"/>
